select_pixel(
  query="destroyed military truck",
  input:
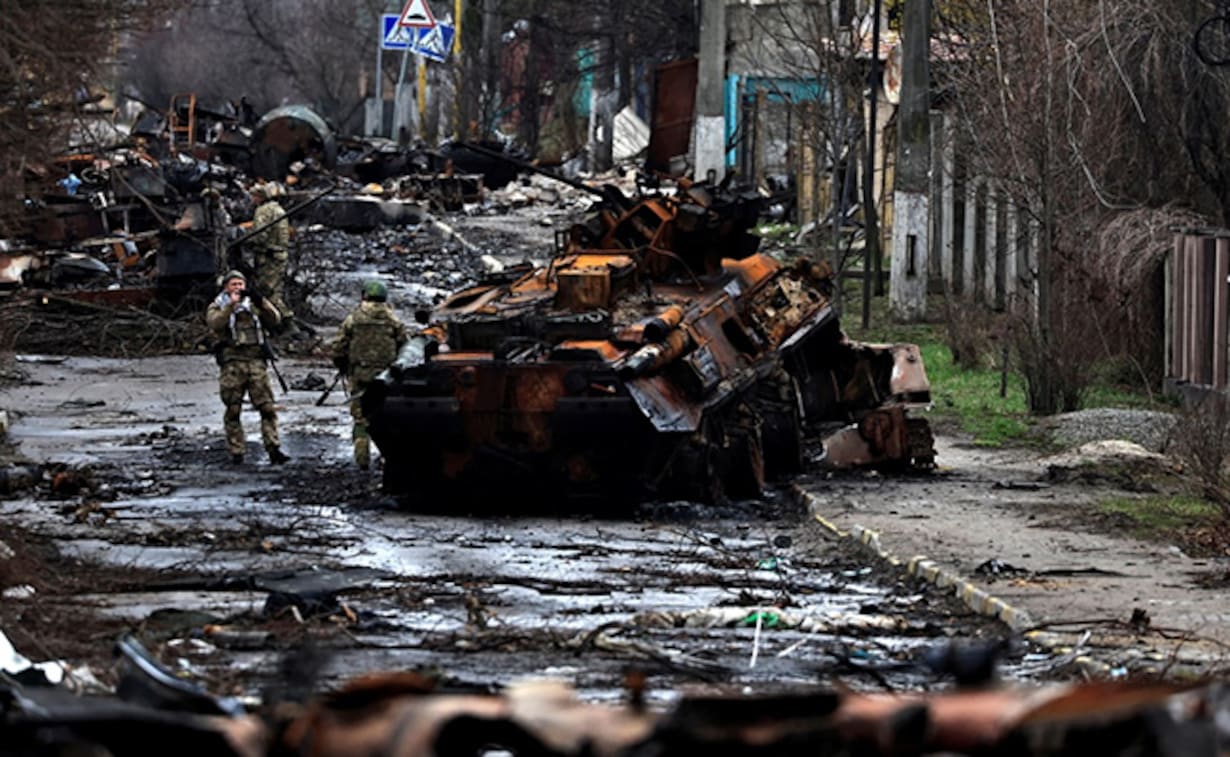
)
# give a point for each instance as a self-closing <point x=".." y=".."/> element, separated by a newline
<point x="657" y="354"/>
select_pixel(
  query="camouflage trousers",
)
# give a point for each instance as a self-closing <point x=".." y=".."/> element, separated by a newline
<point x="362" y="443"/>
<point x="271" y="269"/>
<point x="240" y="377"/>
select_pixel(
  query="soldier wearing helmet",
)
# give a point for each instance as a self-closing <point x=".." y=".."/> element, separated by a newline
<point x="241" y="321"/>
<point x="271" y="248"/>
<point x="367" y="342"/>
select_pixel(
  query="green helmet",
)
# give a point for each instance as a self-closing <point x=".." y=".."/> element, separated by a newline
<point x="375" y="290"/>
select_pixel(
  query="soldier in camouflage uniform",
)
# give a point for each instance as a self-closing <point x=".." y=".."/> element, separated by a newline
<point x="368" y="341"/>
<point x="240" y="320"/>
<point x="271" y="249"/>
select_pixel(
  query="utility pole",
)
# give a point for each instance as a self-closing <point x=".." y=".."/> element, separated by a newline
<point x="911" y="193"/>
<point x="709" y="129"/>
<point x="489" y="101"/>
<point x="405" y="110"/>
<point x="871" y="229"/>
<point x="460" y="112"/>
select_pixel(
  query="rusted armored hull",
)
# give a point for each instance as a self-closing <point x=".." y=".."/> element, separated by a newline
<point x="519" y="427"/>
<point x="711" y="409"/>
<point x="654" y="355"/>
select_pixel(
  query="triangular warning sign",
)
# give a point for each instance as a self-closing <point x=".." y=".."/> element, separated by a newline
<point x="417" y="14"/>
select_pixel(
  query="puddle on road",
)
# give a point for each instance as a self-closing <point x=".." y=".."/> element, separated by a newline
<point x="488" y="602"/>
<point x="482" y="601"/>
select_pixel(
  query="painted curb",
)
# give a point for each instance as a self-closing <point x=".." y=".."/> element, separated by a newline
<point x="974" y="597"/>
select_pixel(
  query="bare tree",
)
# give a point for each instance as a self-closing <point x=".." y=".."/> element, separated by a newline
<point x="1080" y="111"/>
<point x="55" y="59"/>
<point x="312" y="52"/>
<point x="820" y="43"/>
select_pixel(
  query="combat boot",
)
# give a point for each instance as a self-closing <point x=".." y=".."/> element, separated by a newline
<point x="363" y="453"/>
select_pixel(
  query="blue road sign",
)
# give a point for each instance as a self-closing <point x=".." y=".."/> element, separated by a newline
<point x="394" y="37"/>
<point x="434" y="43"/>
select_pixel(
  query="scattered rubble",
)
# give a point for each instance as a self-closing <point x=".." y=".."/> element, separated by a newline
<point x="1123" y="464"/>
<point x="1150" y="429"/>
<point x="134" y="233"/>
<point x="105" y="272"/>
<point x="412" y="714"/>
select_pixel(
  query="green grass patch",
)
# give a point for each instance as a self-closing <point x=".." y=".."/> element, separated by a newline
<point x="972" y="399"/>
<point x="777" y="232"/>
<point x="1104" y="393"/>
<point x="1157" y="516"/>
<point x="969" y="399"/>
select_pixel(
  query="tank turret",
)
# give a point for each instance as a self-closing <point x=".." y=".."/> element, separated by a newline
<point x="658" y="353"/>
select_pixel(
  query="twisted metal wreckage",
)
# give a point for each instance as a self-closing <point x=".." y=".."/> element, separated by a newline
<point x="658" y="352"/>
<point x="137" y="219"/>
<point x="407" y="714"/>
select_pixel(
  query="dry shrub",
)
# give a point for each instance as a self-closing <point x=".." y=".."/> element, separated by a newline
<point x="1126" y="285"/>
<point x="1202" y="443"/>
<point x="1106" y="307"/>
<point x="1056" y="365"/>
<point x="974" y="334"/>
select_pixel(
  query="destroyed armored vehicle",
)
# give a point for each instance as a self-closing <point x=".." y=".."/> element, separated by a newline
<point x="657" y="354"/>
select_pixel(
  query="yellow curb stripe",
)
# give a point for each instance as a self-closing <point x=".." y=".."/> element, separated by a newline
<point x="974" y="597"/>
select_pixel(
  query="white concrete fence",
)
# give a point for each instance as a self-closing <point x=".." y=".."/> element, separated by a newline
<point x="984" y="247"/>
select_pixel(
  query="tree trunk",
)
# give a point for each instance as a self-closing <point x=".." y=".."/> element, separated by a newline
<point x="604" y="94"/>
<point x="491" y="66"/>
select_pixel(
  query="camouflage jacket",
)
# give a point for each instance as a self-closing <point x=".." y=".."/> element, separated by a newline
<point x="241" y="330"/>
<point x="276" y="238"/>
<point x="368" y="340"/>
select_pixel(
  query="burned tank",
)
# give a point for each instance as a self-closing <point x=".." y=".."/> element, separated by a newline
<point x="657" y="354"/>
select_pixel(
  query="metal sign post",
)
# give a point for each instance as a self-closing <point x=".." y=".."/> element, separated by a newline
<point x="415" y="30"/>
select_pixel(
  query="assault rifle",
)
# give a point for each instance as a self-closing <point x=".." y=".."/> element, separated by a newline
<point x="271" y="359"/>
<point x="286" y="214"/>
<point x="339" y="378"/>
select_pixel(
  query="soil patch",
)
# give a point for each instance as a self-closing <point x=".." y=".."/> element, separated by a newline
<point x="1205" y="540"/>
<point x="1212" y="540"/>
<point x="52" y="623"/>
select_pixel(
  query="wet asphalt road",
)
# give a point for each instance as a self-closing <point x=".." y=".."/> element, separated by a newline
<point x="242" y="565"/>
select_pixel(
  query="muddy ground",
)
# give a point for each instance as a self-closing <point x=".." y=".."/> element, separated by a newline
<point x="141" y="524"/>
<point x="137" y="523"/>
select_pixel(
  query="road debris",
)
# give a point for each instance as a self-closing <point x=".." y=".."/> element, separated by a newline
<point x="657" y="352"/>
<point x="409" y="714"/>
